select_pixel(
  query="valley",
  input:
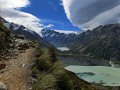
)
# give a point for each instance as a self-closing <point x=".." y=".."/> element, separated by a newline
<point x="59" y="44"/>
<point x="26" y="64"/>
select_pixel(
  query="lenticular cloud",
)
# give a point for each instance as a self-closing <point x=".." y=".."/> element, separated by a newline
<point x="88" y="14"/>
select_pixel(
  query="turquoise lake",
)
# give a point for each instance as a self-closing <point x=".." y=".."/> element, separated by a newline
<point x="106" y="76"/>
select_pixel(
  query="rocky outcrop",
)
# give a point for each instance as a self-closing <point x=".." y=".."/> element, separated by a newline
<point x="23" y="46"/>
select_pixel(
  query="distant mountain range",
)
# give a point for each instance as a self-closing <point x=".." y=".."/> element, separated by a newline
<point x="102" y="42"/>
<point x="56" y="38"/>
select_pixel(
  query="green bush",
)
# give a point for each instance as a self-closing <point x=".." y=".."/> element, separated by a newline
<point x="64" y="82"/>
<point x="52" y="55"/>
<point x="45" y="81"/>
<point x="43" y="65"/>
<point x="35" y="71"/>
<point x="57" y="68"/>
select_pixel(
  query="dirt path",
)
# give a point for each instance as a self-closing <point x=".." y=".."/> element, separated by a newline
<point x="17" y="73"/>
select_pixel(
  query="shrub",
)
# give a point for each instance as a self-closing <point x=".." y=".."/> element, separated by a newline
<point x="52" y="56"/>
<point x="45" y="82"/>
<point x="43" y="64"/>
<point x="65" y="82"/>
<point x="35" y="71"/>
<point x="57" y="68"/>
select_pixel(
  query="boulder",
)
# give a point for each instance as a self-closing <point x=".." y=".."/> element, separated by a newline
<point x="2" y="86"/>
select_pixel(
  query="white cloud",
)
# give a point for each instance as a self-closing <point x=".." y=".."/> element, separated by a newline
<point x="66" y="31"/>
<point x="48" y="26"/>
<point x="14" y="3"/>
<point x="10" y="10"/>
<point x="89" y="14"/>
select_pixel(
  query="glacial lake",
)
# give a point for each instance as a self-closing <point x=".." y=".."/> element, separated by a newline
<point x="104" y="75"/>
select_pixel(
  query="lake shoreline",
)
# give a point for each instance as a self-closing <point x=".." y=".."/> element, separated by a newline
<point x="82" y="60"/>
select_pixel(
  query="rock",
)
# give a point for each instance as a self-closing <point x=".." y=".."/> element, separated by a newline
<point x="23" y="65"/>
<point x="2" y="66"/>
<point x="2" y="86"/>
<point x="23" y="46"/>
<point x="20" y="37"/>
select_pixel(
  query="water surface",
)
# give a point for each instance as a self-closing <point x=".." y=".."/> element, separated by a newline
<point x="106" y="76"/>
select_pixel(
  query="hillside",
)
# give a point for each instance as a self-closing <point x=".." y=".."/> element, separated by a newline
<point x="27" y="33"/>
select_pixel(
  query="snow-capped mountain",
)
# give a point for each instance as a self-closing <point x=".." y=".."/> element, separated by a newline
<point x="58" y="38"/>
<point x="14" y="27"/>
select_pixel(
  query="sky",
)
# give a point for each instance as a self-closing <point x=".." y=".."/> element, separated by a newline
<point x="50" y="12"/>
<point x="61" y="14"/>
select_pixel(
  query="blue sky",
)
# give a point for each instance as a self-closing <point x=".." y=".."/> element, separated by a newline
<point x="50" y="12"/>
<point x="85" y="14"/>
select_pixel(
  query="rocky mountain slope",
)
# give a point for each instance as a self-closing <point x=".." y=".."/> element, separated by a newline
<point x="103" y="42"/>
<point x="27" y="33"/>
